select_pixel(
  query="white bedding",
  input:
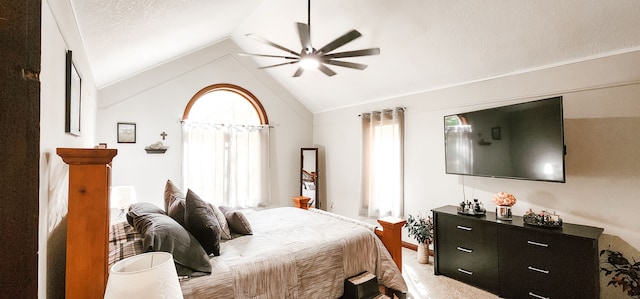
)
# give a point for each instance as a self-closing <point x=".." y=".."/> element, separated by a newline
<point x="295" y="253"/>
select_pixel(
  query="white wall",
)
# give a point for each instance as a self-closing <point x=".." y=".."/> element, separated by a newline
<point x="155" y="100"/>
<point x="59" y="34"/>
<point x="602" y="119"/>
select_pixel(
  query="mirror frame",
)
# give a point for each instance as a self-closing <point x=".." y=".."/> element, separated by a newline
<point x="314" y="156"/>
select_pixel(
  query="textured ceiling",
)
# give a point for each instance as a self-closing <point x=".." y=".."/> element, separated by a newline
<point x="424" y="44"/>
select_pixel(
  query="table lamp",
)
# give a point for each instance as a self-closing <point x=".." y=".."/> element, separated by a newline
<point x="120" y="198"/>
<point x="149" y="275"/>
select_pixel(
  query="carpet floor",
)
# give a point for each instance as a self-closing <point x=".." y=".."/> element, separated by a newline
<point x="423" y="284"/>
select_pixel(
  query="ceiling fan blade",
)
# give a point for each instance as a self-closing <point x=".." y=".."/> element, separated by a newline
<point x="298" y="72"/>
<point x="327" y="71"/>
<point x="264" y="41"/>
<point x="265" y="55"/>
<point x="279" y="64"/>
<point x="305" y="37"/>
<point x="340" y="41"/>
<point x="352" y="65"/>
<point x="363" y="52"/>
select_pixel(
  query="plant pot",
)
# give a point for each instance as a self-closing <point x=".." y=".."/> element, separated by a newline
<point x="423" y="253"/>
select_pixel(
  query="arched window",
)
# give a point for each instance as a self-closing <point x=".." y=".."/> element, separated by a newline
<point x="225" y="135"/>
<point x="225" y="103"/>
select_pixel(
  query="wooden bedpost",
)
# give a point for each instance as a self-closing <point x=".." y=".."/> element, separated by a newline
<point x="391" y="236"/>
<point x="87" y="263"/>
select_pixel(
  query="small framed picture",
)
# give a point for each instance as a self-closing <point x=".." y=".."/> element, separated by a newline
<point x="126" y="133"/>
<point x="495" y="133"/>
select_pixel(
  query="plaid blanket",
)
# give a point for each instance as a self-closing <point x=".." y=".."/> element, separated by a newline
<point x="124" y="241"/>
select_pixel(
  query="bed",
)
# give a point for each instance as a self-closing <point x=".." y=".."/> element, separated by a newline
<point x="291" y="253"/>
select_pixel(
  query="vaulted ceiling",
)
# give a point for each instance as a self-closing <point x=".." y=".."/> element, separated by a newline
<point x="425" y="44"/>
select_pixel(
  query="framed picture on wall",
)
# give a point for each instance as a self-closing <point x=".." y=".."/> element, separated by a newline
<point x="73" y="98"/>
<point x="495" y="133"/>
<point x="126" y="133"/>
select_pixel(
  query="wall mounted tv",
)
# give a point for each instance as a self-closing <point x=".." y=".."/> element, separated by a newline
<point x="521" y="141"/>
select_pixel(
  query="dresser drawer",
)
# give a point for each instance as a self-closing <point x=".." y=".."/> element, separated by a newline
<point x="467" y="250"/>
<point x="480" y="270"/>
<point x="474" y="232"/>
<point x="545" y="264"/>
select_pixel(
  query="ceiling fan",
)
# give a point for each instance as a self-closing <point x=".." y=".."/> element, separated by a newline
<point x="310" y="57"/>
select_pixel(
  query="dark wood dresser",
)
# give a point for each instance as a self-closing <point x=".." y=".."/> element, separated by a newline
<point x="515" y="260"/>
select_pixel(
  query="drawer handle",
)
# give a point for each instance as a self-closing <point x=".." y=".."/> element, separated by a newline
<point x="538" y="244"/>
<point x="538" y="270"/>
<point x="465" y="271"/>
<point x="532" y="294"/>
<point x="463" y="228"/>
<point x="464" y="249"/>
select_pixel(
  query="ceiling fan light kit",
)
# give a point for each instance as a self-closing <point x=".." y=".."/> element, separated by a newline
<point x="311" y="58"/>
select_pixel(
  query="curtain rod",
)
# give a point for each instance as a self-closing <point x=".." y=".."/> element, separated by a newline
<point x="401" y="108"/>
<point x="225" y="125"/>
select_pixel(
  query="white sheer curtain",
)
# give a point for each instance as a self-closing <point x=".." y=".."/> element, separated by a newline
<point x="227" y="164"/>
<point x="383" y="163"/>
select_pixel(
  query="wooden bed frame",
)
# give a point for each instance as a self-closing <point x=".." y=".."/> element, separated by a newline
<point x="390" y="234"/>
<point x="88" y="206"/>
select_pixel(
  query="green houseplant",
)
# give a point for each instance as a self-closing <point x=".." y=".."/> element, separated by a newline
<point x="625" y="273"/>
<point x="421" y="229"/>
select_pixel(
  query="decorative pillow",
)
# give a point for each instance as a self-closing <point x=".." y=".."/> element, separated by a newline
<point x="201" y="222"/>
<point x="171" y="193"/>
<point x="238" y="222"/>
<point x="176" y="211"/>
<point x="161" y="233"/>
<point x="140" y="208"/>
<point x="225" y="232"/>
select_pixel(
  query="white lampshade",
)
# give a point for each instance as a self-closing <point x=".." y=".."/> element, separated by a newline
<point x="149" y="275"/>
<point x="121" y="197"/>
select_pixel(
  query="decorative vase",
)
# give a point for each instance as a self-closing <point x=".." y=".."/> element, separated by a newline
<point x="423" y="253"/>
<point x="503" y="212"/>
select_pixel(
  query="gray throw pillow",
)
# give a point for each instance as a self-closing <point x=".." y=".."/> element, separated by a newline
<point x="176" y="211"/>
<point x="161" y="233"/>
<point x="225" y="232"/>
<point x="171" y="194"/>
<point x="238" y="222"/>
<point x="140" y="208"/>
<point x="200" y="220"/>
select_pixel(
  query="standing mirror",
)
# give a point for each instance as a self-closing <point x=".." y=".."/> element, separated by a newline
<point x="309" y="175"/>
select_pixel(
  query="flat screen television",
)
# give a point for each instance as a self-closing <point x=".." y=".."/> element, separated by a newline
<point x="521" y="141"/>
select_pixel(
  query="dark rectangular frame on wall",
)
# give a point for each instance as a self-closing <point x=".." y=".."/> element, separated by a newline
<point x="126" y="132"/>
<point x="495" y="133"/>
<point x="73" y="101"/>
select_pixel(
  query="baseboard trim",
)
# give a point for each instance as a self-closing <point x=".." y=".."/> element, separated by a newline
<point x="414" y="247"/>
<point x="410" y="246"/>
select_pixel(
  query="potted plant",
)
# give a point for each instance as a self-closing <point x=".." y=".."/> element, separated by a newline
<point x="421" y="229"/>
